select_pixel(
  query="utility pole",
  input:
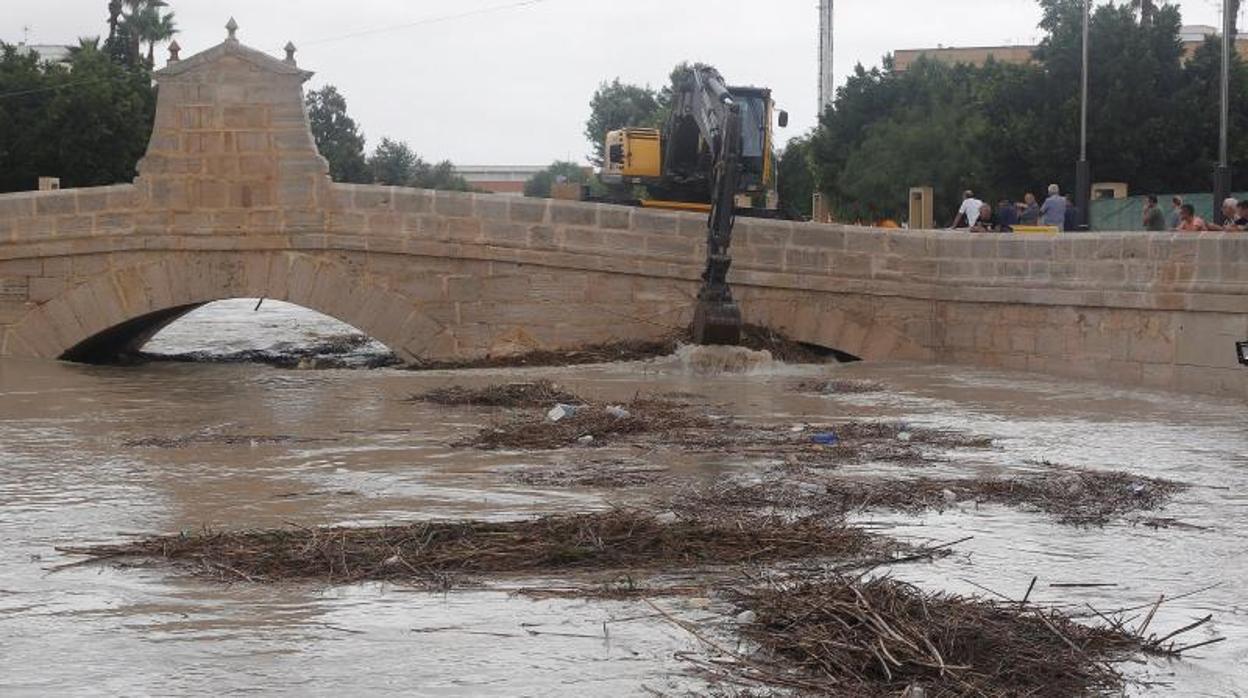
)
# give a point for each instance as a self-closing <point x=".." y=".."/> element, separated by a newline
<point x="1222" y="176"/>
<point x="827" y="35"/>
<point x="1083" y="170"/>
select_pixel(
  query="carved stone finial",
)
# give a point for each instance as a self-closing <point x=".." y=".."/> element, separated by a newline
<point x="232" y="28"/>
<point x="290" y="52"/>
<point x="174" y="51"/>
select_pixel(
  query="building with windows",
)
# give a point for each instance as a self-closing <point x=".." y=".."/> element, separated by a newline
<point x="499" y="179"/>
<point x="50" y="53"/>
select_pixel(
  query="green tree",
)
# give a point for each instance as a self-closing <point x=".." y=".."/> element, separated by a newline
<point x="144" y="22"/>
<point x="617" y="105"/>
<point x="87" y="123"/>
<point x="337" y="136"/>
<point x="539" y="185"/>
<point x="1145" y="8"/>
<point x="796" y="178"/>
<point x="1003" y="130"/>
<point x="441" y="175"/>
<point x="1195" y="133"/>
<point x="395" y="163"/>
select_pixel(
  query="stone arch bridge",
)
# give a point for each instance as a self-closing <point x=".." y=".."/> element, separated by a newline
<point x="233" y="200"/>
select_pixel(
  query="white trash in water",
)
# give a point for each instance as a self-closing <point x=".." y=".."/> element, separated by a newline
<point x="746" y="617"/>
<point x="812" y="488"/>
<point x="667" y="518"/>
<point x="905" y="436"/>
<point x="618" y="412"/>
<point x="560" y="412"/>
<point x="585" y="440"/>
<point x="950" y="496"/>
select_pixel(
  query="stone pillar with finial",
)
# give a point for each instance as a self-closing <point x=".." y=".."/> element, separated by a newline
<point x="175" y="51"/>
<point x="290" y="52"/>
<point x="232" y="139"/>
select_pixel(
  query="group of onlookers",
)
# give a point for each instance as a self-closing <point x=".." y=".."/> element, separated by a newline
<point x="1057" y="211"/>
<point x="1183" y="218"/>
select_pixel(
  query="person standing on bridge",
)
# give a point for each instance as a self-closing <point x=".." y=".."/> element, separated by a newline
<point x="1053" y="212"/>
<point x="1189" y="222"/>
<point x="1029" y="213"/>
<point x="968" y="215"/>
<point x="1154" y="219"/>
<point x="1176" y="213"/>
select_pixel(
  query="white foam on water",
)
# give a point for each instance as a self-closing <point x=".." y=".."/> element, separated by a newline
<point x="718" y="360"/>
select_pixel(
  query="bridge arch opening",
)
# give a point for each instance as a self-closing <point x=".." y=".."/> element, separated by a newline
<point x="240" y="330"/>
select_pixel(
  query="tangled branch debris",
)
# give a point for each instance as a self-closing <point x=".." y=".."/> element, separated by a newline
<point x="614" y="352"/>
<point x="1076" y="497"/>
<point x="660" y="422"/>
<point x="433" y="552"/>
<point x="542" y="393"/>
<point x="611" y="473"/>
<point x="838" y="387"/>
<point x="595" y="425"/>
<point x="847" y="637"/>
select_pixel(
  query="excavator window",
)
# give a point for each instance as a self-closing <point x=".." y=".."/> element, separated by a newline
<point x="753" y="126"/>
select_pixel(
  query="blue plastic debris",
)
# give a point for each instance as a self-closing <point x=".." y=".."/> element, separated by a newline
<point x="826" y="439"/>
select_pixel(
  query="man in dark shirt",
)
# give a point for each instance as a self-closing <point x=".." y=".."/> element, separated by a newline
<point x="1007" y="216"/>
<point x="1071" y="218"/>
<point x="1154" y="219"/>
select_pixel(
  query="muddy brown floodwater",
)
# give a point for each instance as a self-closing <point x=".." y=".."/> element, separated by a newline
<point x="100" y="454"/>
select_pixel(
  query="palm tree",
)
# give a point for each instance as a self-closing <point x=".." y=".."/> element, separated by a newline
<point x="144" y="22"/>
<point x="86" y="44"/>
<point x="1146" y="8"/>
<point x="114" y="18"/>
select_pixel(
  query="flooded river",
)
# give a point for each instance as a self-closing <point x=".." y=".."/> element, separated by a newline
<point x="98" y="454"/>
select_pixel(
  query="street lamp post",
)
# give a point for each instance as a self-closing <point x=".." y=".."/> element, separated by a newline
<point x="1083" y="170"/>
<point x="1222" y="176"/>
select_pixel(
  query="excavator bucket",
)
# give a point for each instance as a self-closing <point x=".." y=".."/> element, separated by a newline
<point x="717" y="322"/>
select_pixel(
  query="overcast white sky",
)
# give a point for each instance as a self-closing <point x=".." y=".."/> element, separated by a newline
<point x="512" y="86"/>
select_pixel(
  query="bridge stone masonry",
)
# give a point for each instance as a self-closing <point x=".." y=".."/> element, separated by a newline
<point x="232" y="200"/>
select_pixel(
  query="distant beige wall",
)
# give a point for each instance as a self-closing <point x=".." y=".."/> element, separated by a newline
<point x="977" y="55"/>
<point x="1016" y="55"/>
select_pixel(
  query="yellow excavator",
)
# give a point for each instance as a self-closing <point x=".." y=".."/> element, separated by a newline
<point x="675" y="164"/>
<point x="714" y="155"/>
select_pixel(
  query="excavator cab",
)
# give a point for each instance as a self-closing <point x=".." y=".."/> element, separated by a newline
<point x="756" y="139"/>
<point x="675" y="163"/>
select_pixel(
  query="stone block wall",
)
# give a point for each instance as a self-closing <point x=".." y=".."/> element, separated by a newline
<point x="233" y="200"/>
<point x="1155" y="310"/>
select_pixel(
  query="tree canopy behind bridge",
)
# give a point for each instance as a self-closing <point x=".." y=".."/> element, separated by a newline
<point x="1003" y="130"/>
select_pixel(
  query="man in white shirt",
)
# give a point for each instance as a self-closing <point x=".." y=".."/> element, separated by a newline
<point x="968" y="215"/>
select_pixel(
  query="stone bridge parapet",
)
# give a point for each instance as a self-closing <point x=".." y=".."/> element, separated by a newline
<point x="232" y="200"/>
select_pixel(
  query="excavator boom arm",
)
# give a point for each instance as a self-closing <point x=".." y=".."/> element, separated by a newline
<point x="707" y="99"/>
